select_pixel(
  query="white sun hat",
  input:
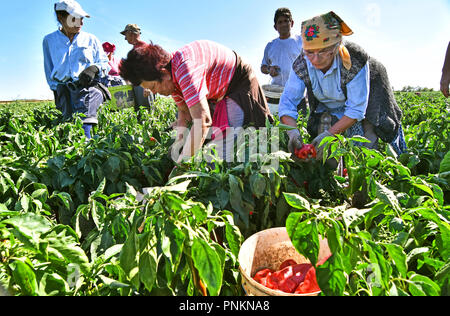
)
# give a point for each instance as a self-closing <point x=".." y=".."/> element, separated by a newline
<point x="72" y="7"/>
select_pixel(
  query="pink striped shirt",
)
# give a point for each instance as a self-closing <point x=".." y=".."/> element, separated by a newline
<point x="202" y="69"/>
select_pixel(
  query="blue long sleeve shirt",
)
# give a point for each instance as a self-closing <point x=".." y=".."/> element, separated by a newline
<point x="327" y="89"/>
<point x="64" y="61"/>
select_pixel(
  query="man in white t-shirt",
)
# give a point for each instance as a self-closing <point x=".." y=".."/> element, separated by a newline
<point x="280" y="53"/>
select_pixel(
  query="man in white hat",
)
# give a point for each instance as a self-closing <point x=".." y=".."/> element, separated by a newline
<point x="75" y="65"/>
<point x="72" y="7"/>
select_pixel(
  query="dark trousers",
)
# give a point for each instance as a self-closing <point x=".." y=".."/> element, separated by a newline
<point x="140" y="100"/>
<point x="71" y="100"/>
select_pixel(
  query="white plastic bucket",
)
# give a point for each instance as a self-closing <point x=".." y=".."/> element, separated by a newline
<point x="273" y="94"/>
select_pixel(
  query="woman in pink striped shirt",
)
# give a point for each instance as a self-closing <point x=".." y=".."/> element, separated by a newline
<point x="210" y="84"/>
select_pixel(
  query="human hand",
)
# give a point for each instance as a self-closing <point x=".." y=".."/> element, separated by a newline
<point x="147" y="93"/>
<point x="316" y="142"/>
<point x="274" y="71"/>
<point x="295" y="141"/>
<point x="88" y="75"/>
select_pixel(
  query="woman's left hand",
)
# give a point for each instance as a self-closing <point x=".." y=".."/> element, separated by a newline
<point x="316" y="142"/>
<point x="147" y="93"/>
<point x="201" y="122"/>
<point x="88" y="75"/>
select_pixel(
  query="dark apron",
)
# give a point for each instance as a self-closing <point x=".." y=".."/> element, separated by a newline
<point x="245" y="90"/>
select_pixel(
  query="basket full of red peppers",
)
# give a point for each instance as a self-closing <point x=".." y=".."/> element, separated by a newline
<point x="271" y="266"/>
<point x="290" y="278"/>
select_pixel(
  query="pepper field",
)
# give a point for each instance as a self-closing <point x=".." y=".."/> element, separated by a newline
<point x="112" y="217"/>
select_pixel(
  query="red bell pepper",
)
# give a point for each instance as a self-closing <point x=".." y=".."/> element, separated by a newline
<point x="262" y="274"/>
<point x="309" y="284"/>
<point x="287" y="263"/>
<point x="290" y="278"/>
<point x="306" y="152"/>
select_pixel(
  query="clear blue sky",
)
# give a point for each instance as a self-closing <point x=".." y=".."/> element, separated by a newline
<point x="409" y="36"/>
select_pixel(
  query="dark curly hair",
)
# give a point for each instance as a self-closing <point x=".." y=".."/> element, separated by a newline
<point x="282" y="12"/>
<point x="145" y="63"/>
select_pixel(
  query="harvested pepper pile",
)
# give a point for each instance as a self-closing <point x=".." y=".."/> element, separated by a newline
<point x="290" y="278"/>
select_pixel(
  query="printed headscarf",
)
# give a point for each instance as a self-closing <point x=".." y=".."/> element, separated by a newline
<point x="324" y="31"/>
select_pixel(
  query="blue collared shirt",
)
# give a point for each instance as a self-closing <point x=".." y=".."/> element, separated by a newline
<point x="327" y="89"/>
<point x="64" y="61"/>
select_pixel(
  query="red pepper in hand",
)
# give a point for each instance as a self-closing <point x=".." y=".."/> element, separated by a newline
<point x="306" y="152"/>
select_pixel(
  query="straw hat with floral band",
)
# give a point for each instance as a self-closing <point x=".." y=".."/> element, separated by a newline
<point x="326" y="31"/>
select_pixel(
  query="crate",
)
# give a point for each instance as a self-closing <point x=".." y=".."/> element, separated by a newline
<point x="121" y="97"/>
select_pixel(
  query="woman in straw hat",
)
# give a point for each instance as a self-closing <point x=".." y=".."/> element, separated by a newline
<point x="344" y="86"/>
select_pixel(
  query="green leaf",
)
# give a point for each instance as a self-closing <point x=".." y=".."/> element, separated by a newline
<point x="353" y="217"/>
<point x="416" y="252"/>
<point x="97" y="213"/>
<point x="444" y="273"/>
<point x="101" y="187"/>
<point x="379" y="265"/>
<point x="63" y="246"/>
<point x="148" y="266"/>
<point x="424" y="187"/>
<point x="25" y="202"/>
<point x="444" y="227"/>
<point x="399" y="257"/>
<point x="445" y="164"/>
<point x="65" y="179"/>
<point x="234" y="238"/>
<point x="438" y="193"/>
<point x="113" y="284"/>
<point x="199" y="211"/>
<point x="129" y="257"/>
<point x="65" y="198"/>
<point x="331" y="277"/>
<point x="258" y="184"/>
<point x="304" y="236"/>
<point x="53" y="284"/>
<point x="236" y="199"/>
<point x="297" y="201"/>
<point x="388" y="197"/>
<point x="420" y="285"/>
<point x="334" y="237"/>
<point x="30" y="225"/>
<point x="41" y="195"/>
<point x="207" y="262"/>
<point x="172" y="244"/>
<point x="24" y="276"/>
<point x="223" y="197"/>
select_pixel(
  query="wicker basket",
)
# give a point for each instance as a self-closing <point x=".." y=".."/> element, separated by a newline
<point x="268" y="249"/>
